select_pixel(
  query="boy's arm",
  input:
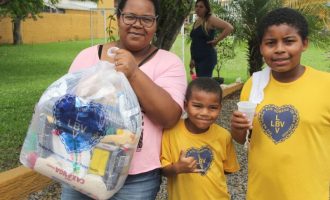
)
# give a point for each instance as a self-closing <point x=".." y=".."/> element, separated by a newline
<point x="230" y="163"/>
<point x="183" y="165"/>
<point x="169" y="170"/>
<point x="239" y="122"/>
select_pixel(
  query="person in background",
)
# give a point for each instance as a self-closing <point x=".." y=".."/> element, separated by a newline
<point x="204" y="39"/>
<point x="197" y="153"/>
<point x="289" y="153"/>
<point x="157" y="77"/>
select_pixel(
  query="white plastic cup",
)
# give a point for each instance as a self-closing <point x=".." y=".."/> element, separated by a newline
<point x="248" y="108"/>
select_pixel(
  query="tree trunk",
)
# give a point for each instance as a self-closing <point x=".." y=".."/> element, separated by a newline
<point x="17" y="31"/>
<point x="255" y="58"/>
<point x="173" y="13"/>
<point x="167" y="32"/>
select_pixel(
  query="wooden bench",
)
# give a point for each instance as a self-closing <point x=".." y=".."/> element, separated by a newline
<point x="231" y="88"/>
<point x="19" y="182"/>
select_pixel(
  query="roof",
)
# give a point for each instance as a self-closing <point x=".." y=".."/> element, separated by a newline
<point x="73" y="5"/>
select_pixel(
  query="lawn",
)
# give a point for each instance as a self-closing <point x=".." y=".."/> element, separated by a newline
<point x="27" y="70"/>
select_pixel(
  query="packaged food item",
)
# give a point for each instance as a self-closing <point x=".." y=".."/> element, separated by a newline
<point x="84" y="131"/>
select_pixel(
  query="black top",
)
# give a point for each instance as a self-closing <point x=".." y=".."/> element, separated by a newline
<point x="199" y="47"/>
<point x="204" y="54"/>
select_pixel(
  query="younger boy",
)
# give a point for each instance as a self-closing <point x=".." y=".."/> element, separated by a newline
<point x="197" y="152"/>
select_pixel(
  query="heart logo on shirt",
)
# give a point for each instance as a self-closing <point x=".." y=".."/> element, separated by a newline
<point x="203" y="156"/>
<point x="278" y="122"/>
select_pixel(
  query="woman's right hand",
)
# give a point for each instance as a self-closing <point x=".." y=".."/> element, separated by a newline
<point x="239" y="126"/>
<point x="125" y="62"/>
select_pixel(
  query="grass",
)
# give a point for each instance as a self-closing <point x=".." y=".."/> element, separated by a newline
<point x="27" y="70"/>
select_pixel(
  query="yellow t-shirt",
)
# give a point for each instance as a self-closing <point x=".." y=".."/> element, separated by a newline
<point x="215" y="154"/>
<point x="289" y="157"/>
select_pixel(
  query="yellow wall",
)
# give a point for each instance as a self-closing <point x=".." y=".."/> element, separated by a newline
<point x="6" y="35"/>
<point x="54" y="27"/>
<point x="106" y="4"/>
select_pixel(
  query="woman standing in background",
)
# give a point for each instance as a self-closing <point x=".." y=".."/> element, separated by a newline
<point x="204" y="39"/>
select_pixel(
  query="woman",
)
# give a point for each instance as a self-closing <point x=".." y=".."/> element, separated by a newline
<point x="204" y="39"/>
<point x="159" y="81"/>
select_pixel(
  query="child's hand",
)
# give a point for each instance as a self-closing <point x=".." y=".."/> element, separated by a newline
<point x="186" y="164"/>
<point x="239" y="126"/>
<point x="239" y="121"/>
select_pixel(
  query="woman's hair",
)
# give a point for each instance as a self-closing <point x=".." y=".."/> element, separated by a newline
<point x="207" y="14"/>
<point x="287" y="16"/>
<point x="122" y="3"/>
<point x="204" y="84"/>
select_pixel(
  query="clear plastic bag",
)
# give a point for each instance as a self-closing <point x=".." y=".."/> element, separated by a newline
<point x="84" y="131"/>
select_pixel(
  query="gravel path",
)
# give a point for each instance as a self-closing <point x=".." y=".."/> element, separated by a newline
<point x="236" y="181"/>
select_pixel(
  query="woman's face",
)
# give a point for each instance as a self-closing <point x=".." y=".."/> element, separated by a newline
<point x="200" y="9"/>
<point x="136" y="36"/>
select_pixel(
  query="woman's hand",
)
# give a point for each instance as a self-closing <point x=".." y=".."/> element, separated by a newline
<point x="125" y="62"/>
<point x="239" y="126"/>
<point x="213" y="42"/>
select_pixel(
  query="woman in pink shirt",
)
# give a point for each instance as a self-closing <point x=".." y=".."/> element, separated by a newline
<point x="158" y="78"/>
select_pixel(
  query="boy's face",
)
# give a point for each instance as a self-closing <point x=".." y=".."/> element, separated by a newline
<point x="203" y="109"/>
<point x="282" y="47"/>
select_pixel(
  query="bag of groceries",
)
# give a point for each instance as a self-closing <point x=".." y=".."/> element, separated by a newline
<point x="84" y="131"/>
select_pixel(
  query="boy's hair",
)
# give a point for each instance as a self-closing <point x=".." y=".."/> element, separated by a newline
<point x="204" y="84"/>
<point x="287" y="16"/>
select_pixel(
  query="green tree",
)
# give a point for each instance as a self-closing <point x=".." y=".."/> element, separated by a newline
<point x="247" y="14"/>
<point x="225" y="52"/>
<point x="18" y="11"/>
<point x="172" y="16"/>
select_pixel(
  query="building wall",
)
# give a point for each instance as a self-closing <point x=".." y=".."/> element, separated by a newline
<point x="54" y="27"/>
<point x="106" y="4"/>
<point x="6" y="35"/>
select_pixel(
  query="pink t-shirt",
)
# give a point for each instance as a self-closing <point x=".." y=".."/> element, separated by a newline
<point x="168" y="72"/>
